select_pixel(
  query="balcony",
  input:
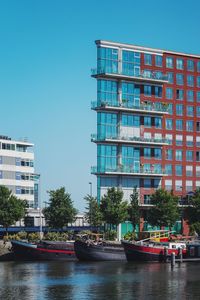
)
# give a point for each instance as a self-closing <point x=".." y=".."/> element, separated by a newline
<point x="128" y="171"/>
<point x="129" y="140"/>
<point x="136" y="77"/>
<point x="126" y="106"/>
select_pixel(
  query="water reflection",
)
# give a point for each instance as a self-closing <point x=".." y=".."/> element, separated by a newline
<point x="103" y="280"/>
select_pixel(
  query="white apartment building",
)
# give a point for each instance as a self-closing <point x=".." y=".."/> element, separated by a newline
<point x="17" y="168"/>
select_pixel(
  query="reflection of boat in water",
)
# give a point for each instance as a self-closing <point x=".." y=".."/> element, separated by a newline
<point x="96" y="249"/>
<point x="156" y="247"/>
<point x="44" y="250"/>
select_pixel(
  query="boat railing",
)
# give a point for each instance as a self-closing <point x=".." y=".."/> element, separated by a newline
<point x="160" y="234"/>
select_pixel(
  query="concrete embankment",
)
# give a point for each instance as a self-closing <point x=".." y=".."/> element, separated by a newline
<point x="5" y="253"/>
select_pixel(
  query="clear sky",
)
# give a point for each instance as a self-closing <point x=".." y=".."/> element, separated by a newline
<point x="46" y="52"/>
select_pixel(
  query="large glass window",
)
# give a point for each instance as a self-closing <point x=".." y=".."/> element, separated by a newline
<point x="179" y="155"/>
<point x="107" y="92"/>
<point x="169" y="93"/>
<point x="158" y="91"/>
<point x="168" y="169"/>
<point x="130" y="63"/>
<point x="198" y="111"/>
<point x="179" y="64"/>
<point x="190" y="65"/>
<point x="147" y="90"/>
<point x="198" y="81"/>
<point x="131" y="158"/>
<point x="147" y="121"/>
<point x="190" y="110"/>
<point x="179" y="109"/>
<point x="179" y="94"/>
<point x="147" y="152"/>
<point x="147" y="183"/>
<point x="157" y="153"/>
<point x="190" y="96"/>
<point x="130" y="120"/>
<point x="169" y="124"/>
<point x="107" y="60"/>
<point x="170" y="77"/>
<point x="106" y="157"/>
<point x="169" y="62"/>
<point x="170" y="108"/>
<point x="198" y="96"/>
<point x="179" y="79"/>
<point x="189" y="155"/>
<point x="158" y="122"/>
<point x="179" y="170"/>
<point x="158" y="60"/>
<point x="190" y="80"/>
<point x="169" y="154"/>
<point x="179" y="124"/>
<point x="198" y="66"/>
<point x="189" y="125"/>
<point x="130" y="95"/>
<point x="106" y="125"/>
<point x="147" y="59"/>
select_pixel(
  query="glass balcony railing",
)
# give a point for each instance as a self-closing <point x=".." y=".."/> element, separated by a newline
<point x="99" y="138"/>
<point x="125" y="104"/>
<point x="140" y="75"/>
<point x="126" y="169"/>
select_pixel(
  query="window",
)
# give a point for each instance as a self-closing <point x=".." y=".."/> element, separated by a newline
<point x="179" y="109"/>
<point x="190" y="96"/>
<point x="178" y="185"/>
<point x="179" y="155"/>
<point x="198" y="81"/>
<point x="198" y="66"/>
<point x="179" y="140"/>
<point x="190" y="65"/>
<point x="198" y="126"/>
<point x="189" y="140"/>
<point x="147" y="90"/>
<point x="169" y="62"/>
<point x="198" y="111"/>
<point x="158" y="60"/>
<point x="179" y="124"/>
<point x="169" y="93"/>
<point x="170" y="108"/>
<point x="18" y="176"/>
<point x="198" y="96"/>
<point x="158" y="91"/>
<point x="169" y="138"/>
<point x="130" y="120"/>
<point x="147" y="152"/>
<point x="147" y="121"/>
<point x="147" y="183"/>
<point x="147" y="59"/>
<point x="198" y="141"/>
<point x="198" y="156"/>
<point x="157" y="153"/>
<point x="170" y="77"/>
<point x="107" y="60"/>
<point x="178" y="170"/>
<point x="190" y="111"/>
<point x="189" y="155"/>
<point x="179" y="79"/>
<point x="158" y="122"/>
<point x="190" y="80"/>
<point x="168" y="169"/>
<point x="147" y="199"/>
<point x="198" y="171"/>
<point x="189" y="170"/>
<point x="169" y="154"/>
<point x="179" y="64"/>
<point x="169" y="124"/>
<point x="179" y="94"/>
<point x="189" y="125"/>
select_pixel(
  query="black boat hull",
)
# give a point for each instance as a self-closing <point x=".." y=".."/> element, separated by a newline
<point x="25" y="251"/>
<point x="100" y="252"/>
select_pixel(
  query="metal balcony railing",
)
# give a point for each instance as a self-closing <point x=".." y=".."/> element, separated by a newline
<point x="126" y="104"/>
<point x="130" y="170"/>
<point x="99" y="138"/>
<point x="140" y="75"/>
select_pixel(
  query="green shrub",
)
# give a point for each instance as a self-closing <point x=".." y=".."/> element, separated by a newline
<point x="110" y="235"/>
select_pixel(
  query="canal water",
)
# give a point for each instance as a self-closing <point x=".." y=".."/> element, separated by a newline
<point x="102" y="281"/>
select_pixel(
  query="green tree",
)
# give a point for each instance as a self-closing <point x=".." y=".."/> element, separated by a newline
<point x="12" y="209"/>
<point x="193" y="212"/>
<point x="93" y="214"/>
<point x="134" y="209"/>
<point x="114" y="210"/>
<point x="60" y="211"/>
<point x="165" y="210"/>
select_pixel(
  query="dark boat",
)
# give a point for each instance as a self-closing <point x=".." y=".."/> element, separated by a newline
<point x="44" y="250"/>
<point x="99" y="251"/>
<point x="153" y="251"/>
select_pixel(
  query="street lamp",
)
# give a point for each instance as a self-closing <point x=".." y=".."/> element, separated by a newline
<point x="90" y="183"/>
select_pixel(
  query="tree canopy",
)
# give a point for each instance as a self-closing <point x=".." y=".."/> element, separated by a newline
<point x="134" y="209"/>
<point x="60" y="211"/>
<point x="165" y="210"/>
<point x="193" y="212"/>
<point x="12" y="209"/>
<point x="93" y="214"/>
<point x="114" y="210"/>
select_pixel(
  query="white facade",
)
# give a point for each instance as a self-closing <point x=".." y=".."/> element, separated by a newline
<point x="17" y="168"/>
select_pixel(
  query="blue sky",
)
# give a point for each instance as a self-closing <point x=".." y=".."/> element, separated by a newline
<point x="46" y="53"/>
